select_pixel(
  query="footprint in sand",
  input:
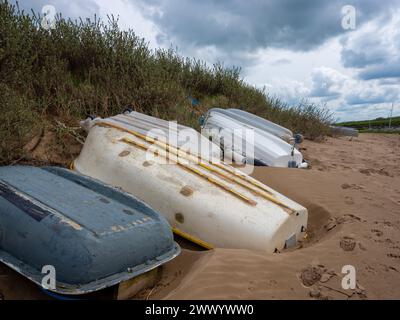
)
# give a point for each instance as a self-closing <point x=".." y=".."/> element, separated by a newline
<point x="386" y="223"/>
<point x="349" y="200"/>
<point x="377" y="232"/>
<point x="351" y="186"/>
<point x="331" y="224"/>
<point x="371" y="269"/>
<point x="381" y="172"/>
<point x="389" y="268"/>
<point x="311" y="275"/>
<point x="347" y="243"/>
<point x="314" y="275"/>
<point x="349" y="218"/>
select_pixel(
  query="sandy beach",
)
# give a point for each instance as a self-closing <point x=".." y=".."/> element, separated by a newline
<point x="352" y="192"/>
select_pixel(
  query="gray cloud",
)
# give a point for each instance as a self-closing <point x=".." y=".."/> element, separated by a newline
<point x="389" y="70"/>
<point x="326" y="83"/>
<point x="361" y="58"/>
<point x="253" y="24"/>
<point x="373" y="93"/>
<point x="375" y="49"/>
<point x="355" y="99"/>
<point x="68" y="8"/>
<point x="280" y="62"/>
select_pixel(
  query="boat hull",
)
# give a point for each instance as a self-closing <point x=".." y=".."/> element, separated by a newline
<point x="252" y="143"/>
<point x="212" y="205"/>
<point x="260" y="123"/>
<point x="93" y="235"/>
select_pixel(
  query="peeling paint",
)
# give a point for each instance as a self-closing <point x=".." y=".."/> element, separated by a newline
<point x="71" y="223"/>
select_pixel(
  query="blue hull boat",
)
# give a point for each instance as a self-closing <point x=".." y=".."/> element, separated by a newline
<point x="93" y="235"/>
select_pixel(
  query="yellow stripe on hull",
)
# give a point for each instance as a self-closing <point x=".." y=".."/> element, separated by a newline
<point x="193" y="239"/>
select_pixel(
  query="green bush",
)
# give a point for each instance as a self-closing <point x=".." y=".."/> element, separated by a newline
<point x="17" y="121"/>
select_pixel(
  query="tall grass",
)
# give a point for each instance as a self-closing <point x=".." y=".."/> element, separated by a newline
<point x="92" y="67"/>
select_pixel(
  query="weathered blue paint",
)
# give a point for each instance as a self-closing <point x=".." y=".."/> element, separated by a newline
<point x="93" y="234"/>
<point x="36" y="212"/>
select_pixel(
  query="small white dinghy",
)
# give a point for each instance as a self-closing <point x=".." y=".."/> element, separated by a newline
<point x="207" y="202"/>
<point x="260" y="123"/>
<point x="232" y="130"/>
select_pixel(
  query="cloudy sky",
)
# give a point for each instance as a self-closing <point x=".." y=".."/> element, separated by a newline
<point x="299" y="49"/>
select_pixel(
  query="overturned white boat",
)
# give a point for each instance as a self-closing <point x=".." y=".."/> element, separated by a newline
<point x="247" y="138"/>
<point x="203" y="199"/>
<point x="185" y="138"/>
<point x="260" y="123"/>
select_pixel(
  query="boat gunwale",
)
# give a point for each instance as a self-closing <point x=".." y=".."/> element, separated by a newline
<point x="77" y="289"/>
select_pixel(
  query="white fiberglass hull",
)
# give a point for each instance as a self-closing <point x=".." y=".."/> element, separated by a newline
<point x="260" y="123"/>
<point x="213" y="205"/>
<point x="260" y="145"/>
